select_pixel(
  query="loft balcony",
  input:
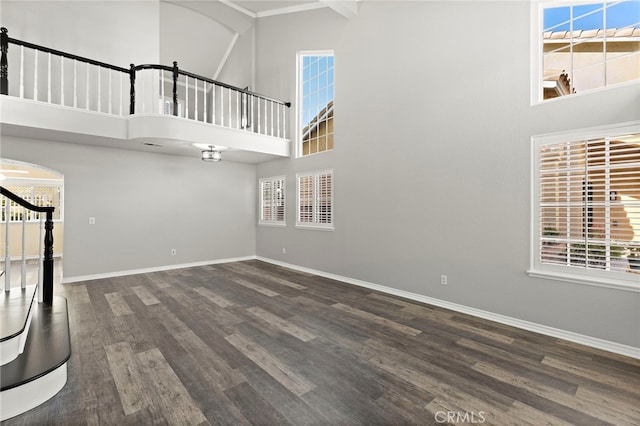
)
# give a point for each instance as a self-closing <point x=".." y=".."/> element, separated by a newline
<point x="53" y="95"/>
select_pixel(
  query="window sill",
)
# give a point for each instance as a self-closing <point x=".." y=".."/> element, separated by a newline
<point x="316" y="227"/>
<point x="537" y="101"/>
<point x="592" y="281"/>
<point x="273" y="224"/>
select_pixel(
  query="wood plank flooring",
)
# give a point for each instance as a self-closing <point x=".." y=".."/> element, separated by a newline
<point x="251" y="343"/>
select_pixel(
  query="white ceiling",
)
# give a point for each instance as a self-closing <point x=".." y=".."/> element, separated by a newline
<point x="263" y="6"/>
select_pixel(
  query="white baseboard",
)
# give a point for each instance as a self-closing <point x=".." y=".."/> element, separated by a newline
<point x="67" y="280"/>
<point x="626" y="350"/>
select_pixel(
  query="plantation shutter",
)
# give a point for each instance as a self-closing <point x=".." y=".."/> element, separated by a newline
<point x="278" y="200"/>
<point x="589" y="201"/>
<point x="272" y="200"/>
<point x="267" y="195"/>
<point x="315" y="199"/>
<point x="323" y="207"/>
<point x="305" y="199"/>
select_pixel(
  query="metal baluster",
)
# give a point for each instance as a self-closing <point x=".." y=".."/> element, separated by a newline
<point x="99" y="89"/>
<point x="35" y="76"/>
<point x="75" y="83"/>
<point x="120" y="97"/>
<point x="195" y="85"/>
<point x="229" y="106"/>
<point x="162" y="92"/>
<point x="259" y="122"/>
<point x="266" y="117"/>
<point x="221" y="106"/>
<point x="278" y="118"/>
<point x="110" y="90"/>
<point x="250" y="123"/>
<point x="284" y="121"/>
<point x="204" y="102"/>
<point x="156" y="90"/>
<point x="186" y="96"/>
<point x="87" y="84"/>
<point x="49" y="78"/>
<point x="23" y="278"/>
<point x="21" y="72"/>
<point x="62" y="80"/>
<point x="273" y="104"/>
<point x="213" y="104"/>
<point x="142" y="93"/>
<point x="237" y="109"/>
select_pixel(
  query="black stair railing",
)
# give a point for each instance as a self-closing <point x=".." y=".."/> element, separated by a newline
<point x="47" y="263"/>
<point x="237" y="108"/>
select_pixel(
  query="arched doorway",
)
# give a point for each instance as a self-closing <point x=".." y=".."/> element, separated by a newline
<point x="41" y="186"/>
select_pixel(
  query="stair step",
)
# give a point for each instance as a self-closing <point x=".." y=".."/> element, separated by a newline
<point x="14" y="310"/>
<point x="15" y="314"/>
<point x="40" y="371"/>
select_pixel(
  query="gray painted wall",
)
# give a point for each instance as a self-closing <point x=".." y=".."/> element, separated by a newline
<point x="145" y="205"/>
<point x="432" y="159"/>
<point x="116" y="32"/>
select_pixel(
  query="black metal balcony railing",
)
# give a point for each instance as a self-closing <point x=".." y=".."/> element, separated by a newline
<point x="48" y="75"/>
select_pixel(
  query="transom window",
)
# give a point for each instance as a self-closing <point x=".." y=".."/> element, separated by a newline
<point x="588" y="45"/>
<point x="272" y="201"/>
<point x="316" y="90"/>
<point x="587" y="206"/>
<point x="315" y="199"/>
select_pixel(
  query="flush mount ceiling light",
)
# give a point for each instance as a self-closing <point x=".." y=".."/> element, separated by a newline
<point x="211" y="154"/>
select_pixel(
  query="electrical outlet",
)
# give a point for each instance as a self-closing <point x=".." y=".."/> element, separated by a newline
<point x="174" y="252"/>
<point x="284" y="250"/>
<point x="444" y="280"/>
<point x="92" y="221"/>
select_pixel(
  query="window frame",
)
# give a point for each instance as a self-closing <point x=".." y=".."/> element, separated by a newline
<point x="272" y="180"/>
<point x="594" y="277"/>
<point x="315" y="223"/>
<point x="34" y="184"/>
<point x="299" y="97"/>
<point x="537" y="45"/>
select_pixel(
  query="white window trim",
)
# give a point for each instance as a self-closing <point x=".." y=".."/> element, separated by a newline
<point x="608" y="279"/>
<point x="314" y="226"/>
<point x="298" y="107"/>
<point x="536" y="57"/>
<point x="39" y="182"/>
<point x="276" y="223"/>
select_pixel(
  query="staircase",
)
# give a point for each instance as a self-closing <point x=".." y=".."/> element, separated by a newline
<point x="35" y="343"/>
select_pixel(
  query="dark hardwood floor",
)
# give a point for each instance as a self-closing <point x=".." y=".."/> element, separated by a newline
<point x="253" y="343"/>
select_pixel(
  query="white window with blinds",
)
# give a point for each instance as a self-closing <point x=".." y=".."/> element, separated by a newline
<point x="272" y="201"/>
<point x="315" y="200"/>
<point x="586" y="206"/>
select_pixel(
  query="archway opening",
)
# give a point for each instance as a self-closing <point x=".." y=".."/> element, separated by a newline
<point x="21" y="230"/>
